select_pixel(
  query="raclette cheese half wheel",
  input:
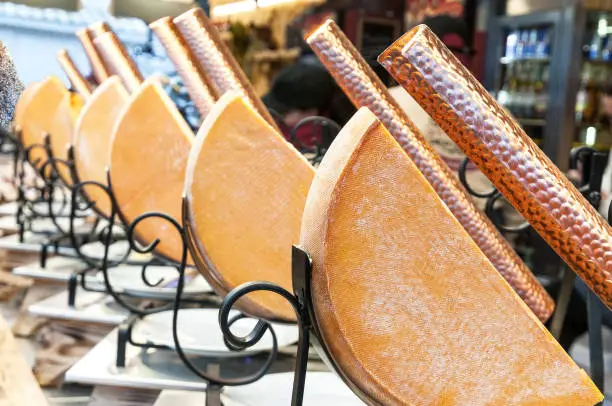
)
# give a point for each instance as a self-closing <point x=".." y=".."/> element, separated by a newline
<point x="409" y="309"/>
<point x="38" y="116"/>
<point x="149" y="152"/>
<point x="20" y="107"/>
<point x="245" y="190"/>
<point x="92" y="139"/>
<point x="62" y="131"/>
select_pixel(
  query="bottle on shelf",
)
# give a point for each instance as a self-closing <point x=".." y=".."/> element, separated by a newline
<point x="543" y="44"/>
<point x="606" y="51"/>
<point x="541" y="92"/>
<point x="521" y="44"/>
<point x="595" y="46"/>
<point x="504" y="96"/>
<point x="587" y="97"/>
<point x="511" y="43"/>
<point x="530" y="47"/>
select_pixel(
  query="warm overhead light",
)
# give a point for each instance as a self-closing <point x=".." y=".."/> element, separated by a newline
<point x="243" y="6"/>
<point x="268" y="3"/>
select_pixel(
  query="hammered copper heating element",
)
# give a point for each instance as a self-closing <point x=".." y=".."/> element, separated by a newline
<point x="494" y="141"/>
<point x="200" y="89"/>
<point x="76" y="78"/>
<point x="216" y="59"/>
<point x="116" y="58"/>
<point x="99" y="70"/>
<point x="365" y="89"/>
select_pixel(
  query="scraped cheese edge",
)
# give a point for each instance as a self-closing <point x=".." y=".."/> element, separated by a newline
<point x="92" y="138"/>
<point x="246" y="188"/>
<point x="148" y="159"/>
<point x="20" y="107"/>
<point x="38" y="116"/>
<point x="408" y="306"/>
<point x="62" y="131"/>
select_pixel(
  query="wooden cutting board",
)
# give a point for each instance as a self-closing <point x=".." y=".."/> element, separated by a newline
<point x="17" y="384"/>
<point x="408" y="307"/>
<point x="62" y="131"/>
<point x="38" y="116"/>
<point x="92" y="138"/>
<point x="148" y="158"/>
<point x="245" y="191"/>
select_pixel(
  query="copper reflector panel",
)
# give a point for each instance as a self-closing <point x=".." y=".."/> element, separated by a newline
<point x="99" y="70"/>
<point x="200" y="89"/>
<point x="216" y="60"/>
<point x="365" y="89"/>
<point x="494" y="141"/>
<point x="148" y="158"/>
<point x="92" y="138"/>
<point x="116" y="58"/>
<point x="76" y="78"/>
<point x="245" y="189"/>
<point x="407" y="306"/>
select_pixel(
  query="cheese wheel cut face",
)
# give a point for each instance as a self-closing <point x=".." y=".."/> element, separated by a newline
<point x="148" y="159"/>
<point x="38" y="116"/>
<point x="24" y="99"/>
<point x="62" y="131"/>
<point x="408" y="308"/>
<point x="92" y="141"/>
<point x="246" y="188"/>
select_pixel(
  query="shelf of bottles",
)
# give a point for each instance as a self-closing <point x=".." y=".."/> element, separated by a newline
<point x="525" y="70"/>
<point x="594" y="97"/>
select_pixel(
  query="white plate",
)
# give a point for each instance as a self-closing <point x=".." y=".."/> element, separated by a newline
<point x="56" y="269"/>
<point x="9" y="209"/>
<point x="31" y="243"/>
<point x="40" y="225"/>
<point x="127" y="279"/>
<point x="95" y="251"/>
<point x="90" y="307"/>
<point x="322" y="388"/>
<point x="97" y="367"/>
<point x="199" y="333"/>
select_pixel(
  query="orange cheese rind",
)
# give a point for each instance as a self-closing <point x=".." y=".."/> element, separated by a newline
<point x="245" y="190"/>
<point x="92" y="139"/>
<point x="150" y="146"/>
<point x="409" y="309"/>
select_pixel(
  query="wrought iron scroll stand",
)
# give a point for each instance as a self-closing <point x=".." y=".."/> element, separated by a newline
<point x="594" y="163"/>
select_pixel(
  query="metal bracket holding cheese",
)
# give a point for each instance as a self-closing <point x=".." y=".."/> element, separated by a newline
<point x="495" y="142"/>
<point x="217" y="60"/>
<point x="92" y="139"/>
<point x="245" y="190"/>
<point x="37" y="117"/>
<point x="408" y="307"/>
<point x="147" y="162"/>
<point x="365" y="89"/>
<point x="62" y="131"/>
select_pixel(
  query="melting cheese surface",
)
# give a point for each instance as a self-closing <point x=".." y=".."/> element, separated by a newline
<point x="39" y="114"/>
<point x="408" y="306"/>
<point x="92" y="138"/>
<point x="151" y="144"/>
<point x="62" y="130"/>
<point x="246" y="188"/>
